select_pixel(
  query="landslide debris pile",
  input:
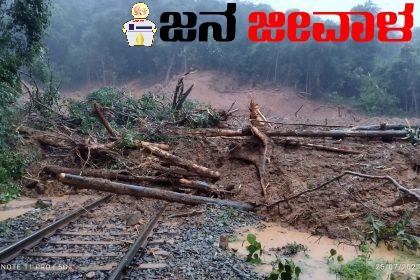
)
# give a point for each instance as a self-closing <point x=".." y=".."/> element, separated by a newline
<point x="178" y="150"/>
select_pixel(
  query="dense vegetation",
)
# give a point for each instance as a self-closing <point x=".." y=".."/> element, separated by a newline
<point x="86" y="46"/>
<point x="22" y="25"/>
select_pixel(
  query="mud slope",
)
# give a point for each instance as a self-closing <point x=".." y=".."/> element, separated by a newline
<point x="221" y="91"/>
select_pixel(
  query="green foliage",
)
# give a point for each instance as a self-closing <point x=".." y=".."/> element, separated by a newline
<point x="5" y="227"/>
<point x="124" y="113"/>
<point x="22" y="24"/>
<point x="393" y="235"/>
<point x="375" y="99"/>
<point x="360" y="268"/>
<point x="8" y="191"/>
<point x="333" y="257"/>
<point x="254" y="250"/>
<point x="292" y="249"/>
<point x="200" y="118"/>
<point x="128" y="140"/>
<point x="79" y="48"/>
<point x="413" y="135"/>
<point x="9" y="114"/>
<point x="12" y="167"/>
<point x="285" y="271"/>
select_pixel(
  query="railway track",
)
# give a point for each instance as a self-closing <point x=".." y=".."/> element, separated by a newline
<point x="88" y="243"/>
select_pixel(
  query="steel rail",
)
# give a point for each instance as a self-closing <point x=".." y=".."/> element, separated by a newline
<point x="139" y="244"/>
<point x="12" y="251"/>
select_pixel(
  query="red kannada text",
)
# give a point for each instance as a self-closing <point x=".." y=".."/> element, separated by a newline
<point x="271" y="27"/>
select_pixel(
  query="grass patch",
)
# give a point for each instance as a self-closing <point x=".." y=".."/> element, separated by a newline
<point x="360" y="268"/>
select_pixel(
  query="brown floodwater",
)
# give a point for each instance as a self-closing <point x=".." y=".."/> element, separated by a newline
<point x="16" y="208"/>
<point x="314" y="263"/>
<point x="23" y="205"/>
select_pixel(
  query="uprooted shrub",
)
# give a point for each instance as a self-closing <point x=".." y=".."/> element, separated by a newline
<point x="125" y="112"/>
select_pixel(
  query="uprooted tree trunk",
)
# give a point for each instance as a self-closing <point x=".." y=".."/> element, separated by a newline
<point x="184" y="163"/>
<point x="304" y="133"/>
<point x="99" y="112"/>
<point x="108" y="174"/>
<point x="294" y="143"/>
<point x="179" y="95"/>
<point x="139" y="191"/>
<point x="122" y="175"/>
<point x="263" y="140"/>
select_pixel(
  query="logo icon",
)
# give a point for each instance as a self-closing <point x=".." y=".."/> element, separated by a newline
<point x="140" y="31"/>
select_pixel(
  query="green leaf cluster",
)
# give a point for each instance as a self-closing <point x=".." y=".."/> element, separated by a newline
<point x="285" y="271"/>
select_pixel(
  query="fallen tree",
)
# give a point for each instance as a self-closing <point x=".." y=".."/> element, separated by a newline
<point x="304" y="133"/>
<point x="122" y="175"/>
<point x="140" y="191"/>
<point x="294" y="143"/>
<point x="184" y="163"/>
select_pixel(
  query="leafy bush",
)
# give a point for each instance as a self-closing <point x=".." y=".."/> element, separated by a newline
<point x="254" y="250"/>
<point x="286" y="271"/>
<point x="9" y="113"/>
<point x="12" y="167"/>
<point x="393" y="235"/>
<point x="292" y="249"/>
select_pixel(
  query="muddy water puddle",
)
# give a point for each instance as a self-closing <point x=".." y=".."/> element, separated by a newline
<point x="23" y="205"/>
<point x="314" y="261"/>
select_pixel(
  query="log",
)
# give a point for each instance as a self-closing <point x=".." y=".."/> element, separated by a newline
<point x="382" y="127"/>
<point x="172" y="171"/>
<point x="108" y="174"/>
<point x="140" y="191"/>
<point x="118" y="175"/>
<point x="99" y="112"/>
<point x="201" y="186"/>
<point x="141" y="144"/>
<point x="304" y="124"/>
<point x="263" y="139"/>
<point x="293" y="143"/>
<point x="305" y="133"/>
<point x="41" y="137"/>
<point x="184" y="163"/>
<point x="214" y="132"/>
<point x="338" y="133"/>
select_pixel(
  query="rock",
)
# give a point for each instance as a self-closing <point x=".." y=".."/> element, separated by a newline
<point x="134" y="218"/>
<point x="90" y="275"/>
<point x="43" y="203"/>
<point x="224" y="242"/>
